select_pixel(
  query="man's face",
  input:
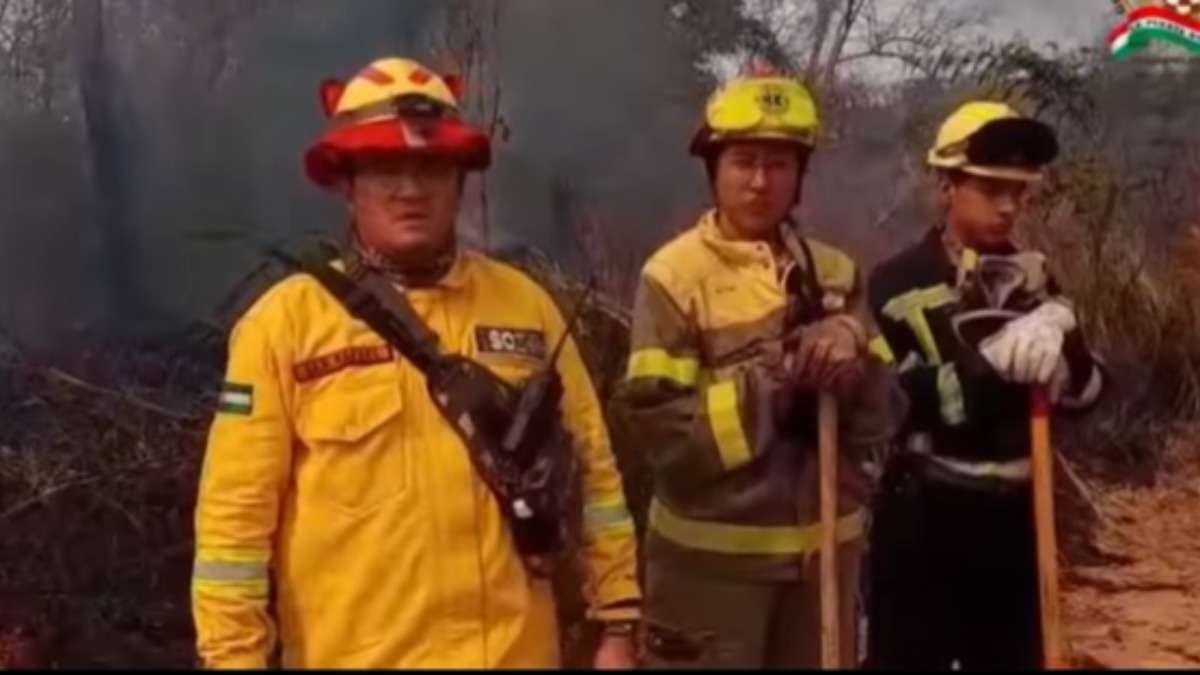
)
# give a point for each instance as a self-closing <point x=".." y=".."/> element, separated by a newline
<point x="404" y="207"/>
<point x="755" y="184"/>
<point x="981" y="212"/>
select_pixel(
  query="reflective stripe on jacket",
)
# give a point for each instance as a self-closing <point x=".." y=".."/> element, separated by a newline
<point x="339" y="514"/>
<point x="703" y="401"/>
<point x="975" y="430"/>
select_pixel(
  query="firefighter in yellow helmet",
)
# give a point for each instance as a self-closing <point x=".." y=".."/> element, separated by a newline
<point x="739" y="323"/>
<point x="977" y="323"/>
<point x="359" y="507"/>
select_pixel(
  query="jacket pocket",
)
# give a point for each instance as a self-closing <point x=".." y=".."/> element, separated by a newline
<point x="351" y="428"/>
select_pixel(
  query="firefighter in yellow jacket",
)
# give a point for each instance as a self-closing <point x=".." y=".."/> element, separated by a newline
<point x="739" y="323"/>
<point x="341" y="520"/>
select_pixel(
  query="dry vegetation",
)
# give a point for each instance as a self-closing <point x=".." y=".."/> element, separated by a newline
<point x="99" y="451"/>
<point x="97" y="483"/>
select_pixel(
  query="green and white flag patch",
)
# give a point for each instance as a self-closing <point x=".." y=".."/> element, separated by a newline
<point x="236" y="399"/>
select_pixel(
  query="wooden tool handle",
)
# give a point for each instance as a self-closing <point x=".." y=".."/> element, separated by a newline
<point x="830" y="588"/>
<point x="1042" y="458"/>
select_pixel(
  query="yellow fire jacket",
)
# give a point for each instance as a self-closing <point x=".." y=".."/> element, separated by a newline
<point x="339" y="517"/>
<point x="736" y="489"/>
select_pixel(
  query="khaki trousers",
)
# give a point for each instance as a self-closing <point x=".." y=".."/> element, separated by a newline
<point x="697" y="620"/>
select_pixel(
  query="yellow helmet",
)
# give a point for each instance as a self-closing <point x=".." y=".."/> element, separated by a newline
<point x="761" y="106"/>
<point x="991" y="139"/>
<point x="369" y="96"/>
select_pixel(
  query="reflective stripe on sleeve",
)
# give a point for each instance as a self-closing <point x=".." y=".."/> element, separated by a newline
<point x="658" y="363"/>
<point x="232" y="573"/>
<point x="724" y="416"/>
<point x="607" y="515"/>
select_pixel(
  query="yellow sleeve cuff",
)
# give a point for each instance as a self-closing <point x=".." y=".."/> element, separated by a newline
<point x="247" y="662"/>
<point x="629" y="609"/>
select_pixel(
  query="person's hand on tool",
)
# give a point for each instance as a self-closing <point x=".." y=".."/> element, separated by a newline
<point x="1029" y="349"/>
<point x="616" y="652"/>
<point x="1059" y="380"/>
<point x="828" y="355"/>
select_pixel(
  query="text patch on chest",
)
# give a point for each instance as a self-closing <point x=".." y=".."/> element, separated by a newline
<point x="328" y="364"/>
<point x="516" y="341"/>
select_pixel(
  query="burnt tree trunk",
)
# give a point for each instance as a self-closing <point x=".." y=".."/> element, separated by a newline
<point x="110" y="155"/>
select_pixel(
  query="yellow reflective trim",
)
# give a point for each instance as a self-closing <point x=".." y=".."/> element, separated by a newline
<point x="233" y="555"/>
<point x="880" y="348"/>
<point x="749" y="539"/>
<point x="229" y="571"/>
<point x="725" y="419"/>
<point x="614" y="614"/>
<point x="233" y="590"/>
<point x="910" y="308"/>
<point x="658" y="363"/>
<point x="624" y="527"/>
<point x="969" y="260"/>
<point x="607" y="515"/>
<point x="950" y="395"/>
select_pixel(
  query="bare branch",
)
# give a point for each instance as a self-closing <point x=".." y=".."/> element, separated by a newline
<point x="851" y="11"/>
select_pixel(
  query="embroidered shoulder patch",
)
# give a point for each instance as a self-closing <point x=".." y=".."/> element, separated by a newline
<point x="517" y="341"/>
<point x="236" y="399"/>
<point x="328" y="364"/>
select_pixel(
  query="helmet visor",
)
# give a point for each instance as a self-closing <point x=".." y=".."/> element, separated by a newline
<point x="1012" y="142"/>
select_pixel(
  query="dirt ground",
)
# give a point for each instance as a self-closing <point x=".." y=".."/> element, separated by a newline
<point x="1136" y="602"/>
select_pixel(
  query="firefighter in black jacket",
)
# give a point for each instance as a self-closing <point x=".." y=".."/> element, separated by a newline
<point x="973" y="325"/>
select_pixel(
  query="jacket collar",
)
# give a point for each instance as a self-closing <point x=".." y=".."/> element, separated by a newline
<point x="934" y="253"/>
<point x="456" y="277"/>
<point x="732" y="250"/>
<point x="459" y="274"/>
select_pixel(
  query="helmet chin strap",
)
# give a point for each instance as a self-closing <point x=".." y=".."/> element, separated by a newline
<point x="421" y="270"/>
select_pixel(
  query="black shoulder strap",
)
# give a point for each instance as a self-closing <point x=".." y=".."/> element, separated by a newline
<point x="808" y="294"/>
<point x="372" y="300"/>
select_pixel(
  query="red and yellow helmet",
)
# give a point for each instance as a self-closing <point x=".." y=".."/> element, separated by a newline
<point x="394" y="106"/>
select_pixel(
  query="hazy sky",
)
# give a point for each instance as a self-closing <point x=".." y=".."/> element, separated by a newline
<point x="1068" y="22"/>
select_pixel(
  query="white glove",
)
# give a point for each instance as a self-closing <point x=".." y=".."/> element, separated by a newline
<point x="1028" y="350"/>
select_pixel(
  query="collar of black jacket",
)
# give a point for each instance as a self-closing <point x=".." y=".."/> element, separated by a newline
<point x="933" y="246"/>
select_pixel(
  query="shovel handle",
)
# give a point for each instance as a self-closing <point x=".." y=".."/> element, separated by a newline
<point x="830" y="588"/>
<point x="1042" y="459"/>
